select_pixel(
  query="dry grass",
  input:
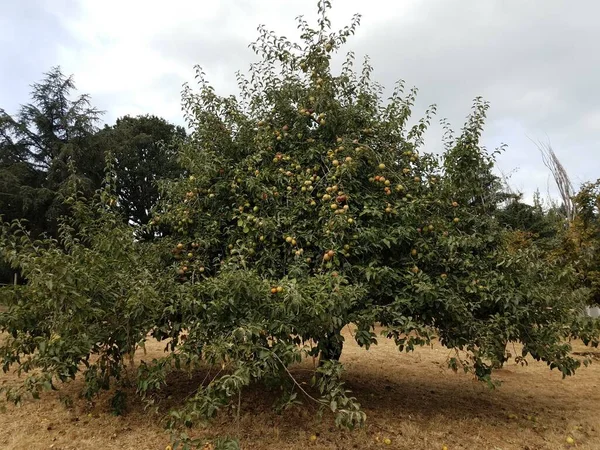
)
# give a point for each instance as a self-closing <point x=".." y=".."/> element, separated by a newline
<point x="411" y="399"/>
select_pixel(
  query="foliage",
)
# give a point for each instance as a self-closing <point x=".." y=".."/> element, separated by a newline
<point x="53" y="142"/>
<point x="532" y="224"/>
<point x="44" y="147"/>
<point x="144" y="149"/>
<point x="582" y="239"/>
<point x="308" y="205"/>
<point x="517" y="215"/>
<point x="90" y="300"/>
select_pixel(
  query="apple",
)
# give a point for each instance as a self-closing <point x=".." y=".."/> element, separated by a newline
<point x="456" y="220"/>
<point x="455" y="204"/>
<point x="381" y="166"/>
<point x="288" y="239"/>
<point x="179" y="246"/>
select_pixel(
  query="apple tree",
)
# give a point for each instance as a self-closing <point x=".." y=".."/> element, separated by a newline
<point x="91" y="297"/>
<point x="311" y="205"/>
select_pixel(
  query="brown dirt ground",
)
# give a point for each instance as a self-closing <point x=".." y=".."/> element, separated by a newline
<point x="411" y="399"/>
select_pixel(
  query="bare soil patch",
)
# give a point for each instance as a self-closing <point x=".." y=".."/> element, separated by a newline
<point x="411" y="399"/>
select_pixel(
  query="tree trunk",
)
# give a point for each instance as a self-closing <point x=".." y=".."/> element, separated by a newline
<point x="331" y="347"/>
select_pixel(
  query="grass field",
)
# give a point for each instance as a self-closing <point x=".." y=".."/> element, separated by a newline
<point x="411" y="399"/>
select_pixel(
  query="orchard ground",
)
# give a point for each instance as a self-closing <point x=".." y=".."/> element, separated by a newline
<point x="411" y="399"/>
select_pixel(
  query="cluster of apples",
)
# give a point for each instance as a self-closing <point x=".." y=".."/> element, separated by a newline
<point x="186" y="258"/>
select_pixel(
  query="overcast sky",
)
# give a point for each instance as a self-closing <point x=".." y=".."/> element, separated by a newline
<point x="537" y="62"/>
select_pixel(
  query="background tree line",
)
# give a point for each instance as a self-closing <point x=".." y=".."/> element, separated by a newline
<point x="54" y="147"/>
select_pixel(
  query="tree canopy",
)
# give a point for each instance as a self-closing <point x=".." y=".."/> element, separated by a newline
<point x="144" y="150"/>
<point x="45" y="147"/>
<point x="52" y="149"/>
